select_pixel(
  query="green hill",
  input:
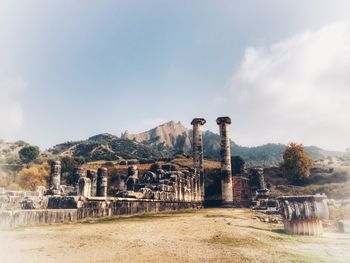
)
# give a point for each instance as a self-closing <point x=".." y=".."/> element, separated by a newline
<point x="111" y="148"/>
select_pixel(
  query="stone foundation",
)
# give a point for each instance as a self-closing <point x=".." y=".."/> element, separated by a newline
<point x="90" y="208"/>
<point x="14" y="218"/>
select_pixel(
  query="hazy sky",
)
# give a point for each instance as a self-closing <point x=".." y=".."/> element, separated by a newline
<point x="279" y="69"/>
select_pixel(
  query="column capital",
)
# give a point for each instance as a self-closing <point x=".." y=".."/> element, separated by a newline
<point x="201" y="121"/>
<point x="221" y="120"/>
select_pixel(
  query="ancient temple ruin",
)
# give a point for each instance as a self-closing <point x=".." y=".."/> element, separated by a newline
<point x="163" y="189"/>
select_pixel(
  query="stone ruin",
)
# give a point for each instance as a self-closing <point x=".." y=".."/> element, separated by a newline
<point x="302" y="215"/>
<point x="55" y="178"/>
<point x="169" y="188"/>
<point x="166" y="184"/>
<point x="170" y="184"/>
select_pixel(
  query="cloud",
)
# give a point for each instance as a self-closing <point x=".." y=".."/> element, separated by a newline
<point x="11" y="114"/>
<point x="297" y="89"/>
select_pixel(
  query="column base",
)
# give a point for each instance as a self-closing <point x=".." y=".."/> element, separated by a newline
<point x="226" y="204"/>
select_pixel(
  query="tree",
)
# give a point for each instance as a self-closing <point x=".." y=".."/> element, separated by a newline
<point x="296" y="163"/>
<point x="237" y="165"/>
<point x="29" y="153"/>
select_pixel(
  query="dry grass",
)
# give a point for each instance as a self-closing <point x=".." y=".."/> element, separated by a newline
<point x="208" y="235"/>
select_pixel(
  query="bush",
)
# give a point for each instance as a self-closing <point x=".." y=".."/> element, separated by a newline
<point x="29" y="153"/>
<point x="33" y="176"/>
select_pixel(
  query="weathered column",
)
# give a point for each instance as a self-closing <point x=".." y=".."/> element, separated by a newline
<point x="55" y="177"/>
<point x="225" y="158"/>
<point x="101" y="186"/>
<point x="198" y="155"/>
<point x="84" y="187"/>
<point x="91" y="174"/>
<point x="133" y="178"/>
<point x="78" y="172"/>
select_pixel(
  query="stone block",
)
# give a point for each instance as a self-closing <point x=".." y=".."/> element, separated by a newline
<point x="344" y="226"/>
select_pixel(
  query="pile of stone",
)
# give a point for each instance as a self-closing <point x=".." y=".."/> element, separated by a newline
<point x="166" y="183"/>
<point x="261" y="200"/>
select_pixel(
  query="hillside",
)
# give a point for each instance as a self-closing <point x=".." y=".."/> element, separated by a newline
<point x="161" y="142"/>
<point x="111" y="148"/>
<point x="9" y="152"/>
<point x="165" y="140"/>
<point x="266" y="155"/>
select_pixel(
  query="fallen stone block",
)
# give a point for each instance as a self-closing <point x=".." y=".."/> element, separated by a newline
<point x="344" y="226"/>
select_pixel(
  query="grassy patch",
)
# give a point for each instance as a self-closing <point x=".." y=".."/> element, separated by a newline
<point x="141" y="217"/>
<point x="246" y="241"/>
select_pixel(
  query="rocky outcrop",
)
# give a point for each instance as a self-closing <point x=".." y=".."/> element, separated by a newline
<point x="171" y="134"/>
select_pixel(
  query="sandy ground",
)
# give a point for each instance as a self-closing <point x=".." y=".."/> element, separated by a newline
<point x="208" y="235"/>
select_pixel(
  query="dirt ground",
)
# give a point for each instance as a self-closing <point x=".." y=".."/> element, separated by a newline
<point x="208" y="235"/>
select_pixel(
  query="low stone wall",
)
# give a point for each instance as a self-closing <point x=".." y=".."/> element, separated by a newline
<point x="90" y="209"/>
<point x="13" y="218"/>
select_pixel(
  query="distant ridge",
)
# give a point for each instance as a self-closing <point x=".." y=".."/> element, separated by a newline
<point x="168" y="139"/>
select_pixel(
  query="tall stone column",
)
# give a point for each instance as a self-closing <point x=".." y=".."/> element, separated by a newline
<point x="225" y="158"/>
<point x="198" y="155"/>
<point x="101" y="186"/>
<point x="55" y="177"/>
<point x="91" y="174"/>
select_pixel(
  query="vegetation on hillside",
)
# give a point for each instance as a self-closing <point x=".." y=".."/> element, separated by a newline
<point x="111" y="148"/>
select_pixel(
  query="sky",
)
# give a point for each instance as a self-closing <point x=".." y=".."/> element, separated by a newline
<point x="72" y="69"/>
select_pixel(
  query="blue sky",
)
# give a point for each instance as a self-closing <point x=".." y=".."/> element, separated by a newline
<point x="72" y="69"/>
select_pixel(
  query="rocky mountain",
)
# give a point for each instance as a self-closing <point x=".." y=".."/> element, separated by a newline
<point x="171" y="134"/>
